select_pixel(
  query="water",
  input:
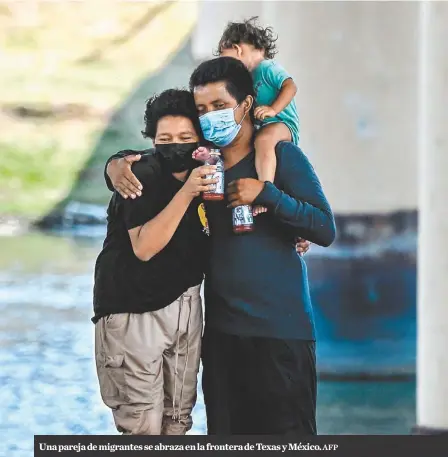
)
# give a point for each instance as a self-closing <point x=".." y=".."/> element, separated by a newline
<point x="48" y="382"/>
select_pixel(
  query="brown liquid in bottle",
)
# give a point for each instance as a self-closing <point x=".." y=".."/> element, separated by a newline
<point x="212" y="196"/>
<point x="243" y="228"/>
<point x="218" y="193"/>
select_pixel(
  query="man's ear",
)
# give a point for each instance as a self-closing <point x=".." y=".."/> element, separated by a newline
<point x="248" y="103"/>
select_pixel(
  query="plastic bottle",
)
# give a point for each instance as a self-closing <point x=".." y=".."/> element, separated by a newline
<point x="218" y="192"/>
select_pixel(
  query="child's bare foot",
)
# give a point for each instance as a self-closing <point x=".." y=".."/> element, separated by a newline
<point x="201" y="154"/>
<point x="302" y="246"/>
<point x="259" y="210"/>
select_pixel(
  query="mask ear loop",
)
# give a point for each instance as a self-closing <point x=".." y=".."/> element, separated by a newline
<point x="242" y="119"/>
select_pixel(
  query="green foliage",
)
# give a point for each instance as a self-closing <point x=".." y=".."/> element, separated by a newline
<point x="45" y="70"/>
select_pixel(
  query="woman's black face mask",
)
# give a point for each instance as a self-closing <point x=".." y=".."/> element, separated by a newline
<point x="177" y="156"/>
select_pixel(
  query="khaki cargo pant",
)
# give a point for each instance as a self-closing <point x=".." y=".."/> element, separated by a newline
<point x="147" y="366"/>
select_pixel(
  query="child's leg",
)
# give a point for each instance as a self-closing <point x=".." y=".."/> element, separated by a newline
<point x="265" y="142"/>
<point x="265" y="160"/>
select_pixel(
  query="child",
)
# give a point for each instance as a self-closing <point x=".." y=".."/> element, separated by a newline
<point x="275" y="109"/>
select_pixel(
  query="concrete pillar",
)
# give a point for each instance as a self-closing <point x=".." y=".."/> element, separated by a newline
<point x="212" y="18"/>
<point x="269" y="14"/>
<point x="355" y="64"/>
<point x="432" y="345"/>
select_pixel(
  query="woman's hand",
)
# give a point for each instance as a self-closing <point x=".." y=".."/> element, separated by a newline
<point x="122" y="178"/>
<point x="197" y="182"/>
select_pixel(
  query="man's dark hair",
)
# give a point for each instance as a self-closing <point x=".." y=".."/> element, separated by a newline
<point x="249" y="32"/>
<point x="171" y="102"/>
<point x="232" y="72"/>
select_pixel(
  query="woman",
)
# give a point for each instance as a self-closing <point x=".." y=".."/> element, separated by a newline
<point x="148" y="313"/>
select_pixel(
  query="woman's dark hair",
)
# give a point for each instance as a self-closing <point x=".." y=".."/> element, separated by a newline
<point x="171" y="102"/>
<point x="249" y="32"/>
<point x="232" y="72"/>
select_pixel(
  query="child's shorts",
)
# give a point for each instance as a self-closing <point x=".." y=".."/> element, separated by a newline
<point x="293" y="129"/>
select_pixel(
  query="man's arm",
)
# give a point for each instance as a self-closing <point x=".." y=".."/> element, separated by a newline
<point x="119" y="176"/>
<point x="301" y="204"/>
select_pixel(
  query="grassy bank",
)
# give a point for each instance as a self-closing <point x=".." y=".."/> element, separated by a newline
<point x="66" y="67"/>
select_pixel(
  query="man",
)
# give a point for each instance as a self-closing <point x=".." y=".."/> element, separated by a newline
<point x="148" y="313"/>
<point x="259" y="343"/>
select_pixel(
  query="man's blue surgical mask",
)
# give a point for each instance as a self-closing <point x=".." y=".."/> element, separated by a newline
<point x="219" y="127"/>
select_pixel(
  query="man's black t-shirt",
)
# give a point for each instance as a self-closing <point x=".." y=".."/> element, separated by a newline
<point x="125" y="284"/>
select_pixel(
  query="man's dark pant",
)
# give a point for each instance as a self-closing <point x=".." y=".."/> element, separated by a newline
<point x="259" y="386"/>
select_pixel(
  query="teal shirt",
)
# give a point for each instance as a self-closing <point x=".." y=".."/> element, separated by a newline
<point x="268" y="79"/>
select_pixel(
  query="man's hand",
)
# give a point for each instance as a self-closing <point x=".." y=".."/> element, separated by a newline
<point x="302" y="246"/>
<point x="243" y="191"/>
<point x="122" y="178"/>
<point x="263" y="112"/>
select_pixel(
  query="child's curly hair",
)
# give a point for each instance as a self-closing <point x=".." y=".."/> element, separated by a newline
<point x="249" y="32"/>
